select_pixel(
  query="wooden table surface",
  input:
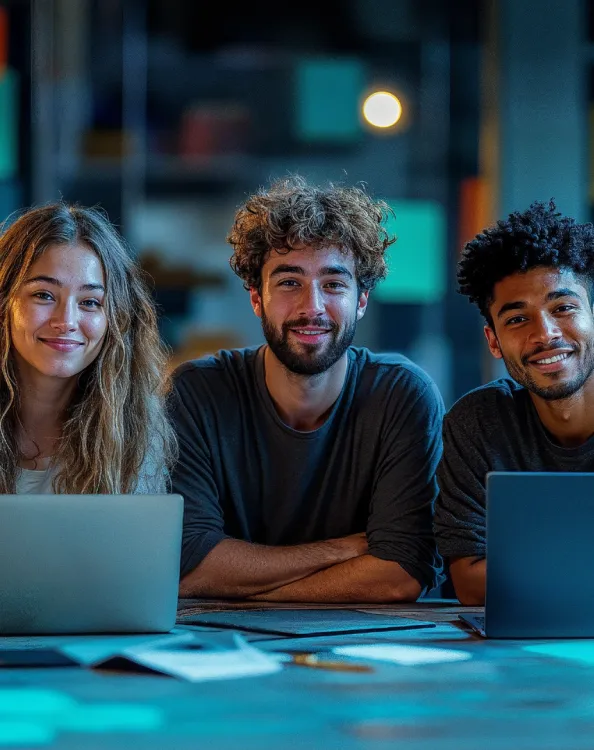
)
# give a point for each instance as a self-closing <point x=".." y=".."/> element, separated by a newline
<point x="516" y="695"/>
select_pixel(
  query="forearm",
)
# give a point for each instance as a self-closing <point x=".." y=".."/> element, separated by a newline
<point x="469" y="577"/>
<point x="238" y="569"/>
<point x="364" y="579"/>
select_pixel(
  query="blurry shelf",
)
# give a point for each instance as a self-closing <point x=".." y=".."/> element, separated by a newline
<point x="176" y="169"/>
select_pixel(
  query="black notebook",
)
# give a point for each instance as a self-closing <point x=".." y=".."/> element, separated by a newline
<point x="306" y="622"/>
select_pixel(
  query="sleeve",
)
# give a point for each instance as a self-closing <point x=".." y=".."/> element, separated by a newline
<point x="459" y="522"/>
<point x="399" y="526"/>
<point x="193" y="478"/>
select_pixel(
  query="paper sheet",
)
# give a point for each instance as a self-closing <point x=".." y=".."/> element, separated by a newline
<point x="183" y="657"/>
<point x="405" y="655"/>
<point x="197" y="666"/>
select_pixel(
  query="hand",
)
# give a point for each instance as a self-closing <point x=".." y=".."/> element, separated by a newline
<point x="353" y="545"/>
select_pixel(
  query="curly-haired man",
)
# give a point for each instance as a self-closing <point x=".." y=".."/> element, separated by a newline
<point x="308" y="465"/>
<point x="531" y="277"/>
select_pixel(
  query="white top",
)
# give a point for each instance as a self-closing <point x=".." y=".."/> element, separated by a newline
<point x="33" y="482"/>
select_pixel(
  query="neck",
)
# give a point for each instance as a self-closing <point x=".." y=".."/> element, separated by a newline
<point x="42" y="404"/>
<point x="303" y="401"/>
<point x="570" y="420"/>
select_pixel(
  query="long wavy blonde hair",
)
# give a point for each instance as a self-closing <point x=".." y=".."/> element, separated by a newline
<point x="116" y="427"/>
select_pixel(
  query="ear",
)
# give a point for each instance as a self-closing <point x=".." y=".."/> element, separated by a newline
<point x="256" y="301"/>
<point x="362" y="304"/>
<point x="493" y="342"/>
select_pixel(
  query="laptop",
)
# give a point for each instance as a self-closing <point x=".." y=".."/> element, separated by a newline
<point x="540" y="531"/>
<point x="74" y="564"/>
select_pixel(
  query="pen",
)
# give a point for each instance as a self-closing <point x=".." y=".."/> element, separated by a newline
<point x="313" y="660"/>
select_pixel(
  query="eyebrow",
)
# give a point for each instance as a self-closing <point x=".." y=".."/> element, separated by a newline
<point x="562" y="293"/>
<point x="556" y="294"/>
<point x="58" y="283"/>
<point x="324" y="271"/>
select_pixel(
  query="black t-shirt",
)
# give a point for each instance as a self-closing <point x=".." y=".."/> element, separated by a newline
<point x="493" y="428"/>
<point x="370" y="467"/>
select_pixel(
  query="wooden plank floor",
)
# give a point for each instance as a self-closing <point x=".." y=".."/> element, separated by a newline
<point x="508" y="695"/>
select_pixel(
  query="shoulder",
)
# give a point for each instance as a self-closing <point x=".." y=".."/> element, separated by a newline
<point x="394" y="372"/>
<point x="214" y="367"/>
<point x="391" y="384"/>
<point x="389" y="365"/>
<point x="488" y="404"/>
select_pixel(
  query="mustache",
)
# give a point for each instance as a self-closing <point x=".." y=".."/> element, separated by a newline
<point x="313" y="322"/>
<point x="549" y="348"/>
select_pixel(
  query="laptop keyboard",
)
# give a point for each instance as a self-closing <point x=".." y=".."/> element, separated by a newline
<point x="480" y="620"/>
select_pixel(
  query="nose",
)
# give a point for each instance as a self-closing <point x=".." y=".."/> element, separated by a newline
<point x="64" y="319"/>
<point x="545" y="329"/>
<point x="311" y="301"/>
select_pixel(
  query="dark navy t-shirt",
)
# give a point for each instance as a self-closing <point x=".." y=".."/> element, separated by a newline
<point x="370" y="467"/>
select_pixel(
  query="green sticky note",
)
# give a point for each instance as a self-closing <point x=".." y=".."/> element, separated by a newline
<point x="417" y="260"/>
<point x="25" y="734"/>
<point x="33" y="702"/>
<point x="328" y="94"/>
<point x="111" y="717"/>
<point x="9" y="115"/>
<point x="580" y="651"/>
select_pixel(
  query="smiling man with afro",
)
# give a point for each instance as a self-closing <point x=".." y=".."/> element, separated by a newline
<point x="531" y="278"/>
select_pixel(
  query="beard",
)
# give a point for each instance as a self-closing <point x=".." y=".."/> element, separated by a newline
<point x="304" y="359"/>
<point x="520" y="372"/>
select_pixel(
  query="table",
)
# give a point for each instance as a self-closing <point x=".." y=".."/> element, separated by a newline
<point x="504" y="696"/>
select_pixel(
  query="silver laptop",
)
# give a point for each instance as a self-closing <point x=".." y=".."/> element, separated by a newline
<point x="76" y="564"/>
<point x="539" y="556"/>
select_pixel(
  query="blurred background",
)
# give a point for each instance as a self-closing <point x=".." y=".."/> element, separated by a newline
<point x="168" y="113"/>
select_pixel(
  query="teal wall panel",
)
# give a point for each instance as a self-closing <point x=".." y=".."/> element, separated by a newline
<point x="9" y="113"/>
<point x="417" y="260"/>
<point x="328" y="97"/>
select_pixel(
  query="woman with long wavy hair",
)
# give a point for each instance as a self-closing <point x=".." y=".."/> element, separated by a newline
<point x="83" y="381"/>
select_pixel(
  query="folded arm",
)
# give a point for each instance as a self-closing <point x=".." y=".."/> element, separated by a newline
<point x="362" y="579"/>
<point x="237" y="569"/>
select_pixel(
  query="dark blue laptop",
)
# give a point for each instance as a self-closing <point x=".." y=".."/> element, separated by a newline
<point x="540" y="555"/>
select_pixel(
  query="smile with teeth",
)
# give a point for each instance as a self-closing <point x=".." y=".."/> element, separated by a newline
<point x="309" y="333"/>
<point x="551" y="360"/>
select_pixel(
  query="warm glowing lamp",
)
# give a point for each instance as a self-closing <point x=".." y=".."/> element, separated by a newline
<point x="382" y="109"/>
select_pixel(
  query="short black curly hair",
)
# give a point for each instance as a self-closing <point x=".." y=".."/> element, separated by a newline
<point x="292" y="213"/>
<point x="540" y="236"/>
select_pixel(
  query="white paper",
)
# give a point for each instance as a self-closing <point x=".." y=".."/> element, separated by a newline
<point x="197" y="666"/>
<point x="405" y="655"/>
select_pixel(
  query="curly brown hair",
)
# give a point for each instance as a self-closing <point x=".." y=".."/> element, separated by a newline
<point x="293" y="214"/>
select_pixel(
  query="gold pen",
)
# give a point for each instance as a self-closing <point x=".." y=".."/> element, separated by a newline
<point x="313" y="660"/>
